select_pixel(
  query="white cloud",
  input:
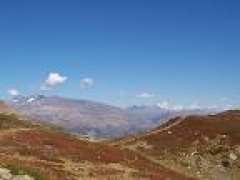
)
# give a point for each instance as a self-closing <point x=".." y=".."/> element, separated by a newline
<point x="145" y="95"/>
<point x="86" y="83"/>
<point x="167" y="105"/>
<point x="53" y="80"/>
<point x="164" y="105"/>
<point x="13" y="92"/>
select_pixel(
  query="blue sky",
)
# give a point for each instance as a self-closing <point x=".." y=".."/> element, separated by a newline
<point x="134" y="52"/>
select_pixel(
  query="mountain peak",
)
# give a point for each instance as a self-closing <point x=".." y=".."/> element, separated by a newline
<point x="20" y="99"/>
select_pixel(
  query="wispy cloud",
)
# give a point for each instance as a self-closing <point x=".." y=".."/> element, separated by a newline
<point x="163" y="105"/>
<point x="86" y="83"/>
<point x="167" y="105"/>
<point x="44" y="87"/>
<point x="145" y="95"/>
<point x="13" y="92"/>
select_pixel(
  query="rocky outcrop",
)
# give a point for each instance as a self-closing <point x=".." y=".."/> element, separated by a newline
<point x="5" y="174"/>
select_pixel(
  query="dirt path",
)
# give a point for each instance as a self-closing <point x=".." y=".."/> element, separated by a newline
<point x="131" y="139"/>
<point x="179" y="121"/>
<point x="174" y="167"/>
<point x="126" y="144"/>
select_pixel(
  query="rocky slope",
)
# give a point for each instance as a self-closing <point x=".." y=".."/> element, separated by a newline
<point x="203" y="147"/>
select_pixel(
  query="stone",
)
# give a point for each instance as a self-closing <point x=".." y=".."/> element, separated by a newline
<point x="233" y="156"/>
<point x="5" y="174"/>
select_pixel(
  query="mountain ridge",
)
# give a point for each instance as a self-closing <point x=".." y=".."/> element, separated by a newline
<point x="94" y="119"/>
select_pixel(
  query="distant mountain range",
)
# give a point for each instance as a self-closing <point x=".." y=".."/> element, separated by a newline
<point x="92" y="118"/>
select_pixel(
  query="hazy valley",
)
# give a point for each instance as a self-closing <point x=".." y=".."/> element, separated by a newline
<point x="95" y="119"/>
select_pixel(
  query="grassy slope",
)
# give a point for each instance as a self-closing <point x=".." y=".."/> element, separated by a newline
<point x="199" y="146"/>
<point x="49" y="154"/>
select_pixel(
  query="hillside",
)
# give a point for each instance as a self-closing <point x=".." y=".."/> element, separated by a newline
<point x="4" y="107"/>
<point x="206" y="147"/>
<point x="35" y="151"/>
